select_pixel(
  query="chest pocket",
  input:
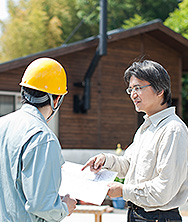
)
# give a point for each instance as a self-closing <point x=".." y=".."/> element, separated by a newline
<point x="146" y="162"/>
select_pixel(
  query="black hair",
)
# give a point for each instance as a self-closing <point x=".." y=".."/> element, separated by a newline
<point x="153" y="73"/>
<point x="33" y="93"/>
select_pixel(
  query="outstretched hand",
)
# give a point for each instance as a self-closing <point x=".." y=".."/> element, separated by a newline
<point x="95" y="163"/>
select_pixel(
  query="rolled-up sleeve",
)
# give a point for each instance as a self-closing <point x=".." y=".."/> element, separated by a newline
<point x="41" y="178"/>
<point x="119" y="164"/>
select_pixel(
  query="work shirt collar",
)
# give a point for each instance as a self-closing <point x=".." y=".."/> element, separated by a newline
<point x="32" y="110"/>
<point x="156" y="118"/>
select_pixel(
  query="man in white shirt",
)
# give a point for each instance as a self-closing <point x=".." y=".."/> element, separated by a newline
<point x="155" y="165"/>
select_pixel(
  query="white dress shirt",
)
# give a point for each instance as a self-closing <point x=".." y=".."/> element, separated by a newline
<point x="155" y="165"/>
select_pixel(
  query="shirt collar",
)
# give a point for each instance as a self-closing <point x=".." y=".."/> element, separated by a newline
<point x="32" y="110"/>
<point x="158" y="117"/>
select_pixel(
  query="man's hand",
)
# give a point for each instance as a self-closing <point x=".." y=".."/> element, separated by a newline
<point x="115" y="189"/>
<point x="71" y="203"/>
<point x="95" y="163"/>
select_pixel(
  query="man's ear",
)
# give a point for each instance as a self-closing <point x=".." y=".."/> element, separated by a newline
<point x="56" y="101"/>
<point x="161" y="93"/>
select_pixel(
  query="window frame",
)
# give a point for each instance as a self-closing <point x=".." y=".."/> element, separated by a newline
<point x="53" y="124"/>
<point x="15" y="98"/>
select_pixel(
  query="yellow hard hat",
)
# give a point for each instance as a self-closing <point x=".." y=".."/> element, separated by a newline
<point x="47" y="75"/>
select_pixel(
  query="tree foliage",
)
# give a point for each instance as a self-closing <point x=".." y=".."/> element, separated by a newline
<point x="185" y="97"/>
<point x="136" y="20"/>
<point x="37" y="25"/>
<point x="178" y="21"/>
<point x="121" y="11"/>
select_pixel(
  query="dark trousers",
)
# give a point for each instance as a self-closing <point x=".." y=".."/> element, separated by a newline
<point x="138" y="214"/>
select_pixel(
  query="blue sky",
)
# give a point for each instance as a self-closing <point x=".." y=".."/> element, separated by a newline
<point x="3" y="9"/>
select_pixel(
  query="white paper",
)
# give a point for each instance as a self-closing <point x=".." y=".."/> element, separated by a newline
<point x="85" y="185"/>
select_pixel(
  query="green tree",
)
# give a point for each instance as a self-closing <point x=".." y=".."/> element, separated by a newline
<point x="37" y="25"/>
<point x="185" y="97"/>
<point x="27" y="29"/>
<point x="178" y="21"/>
<point x="121" y="11"/>
<point x="136" y="20"/>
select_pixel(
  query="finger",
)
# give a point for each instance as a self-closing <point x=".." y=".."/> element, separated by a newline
<point x="86" y="165"/>
<point x="97" y="165"/>
<point x="95" y="170"/>
<point x="110" y="184"/>
<point x="67" y="195"/>
<point x="99" y="162"/>
<point x="109" y="193"/>
<point x="72" y="211"/>
<point x="75" y="202"/>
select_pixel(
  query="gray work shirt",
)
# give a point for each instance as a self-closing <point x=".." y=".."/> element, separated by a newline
<point x="30" y="168"/>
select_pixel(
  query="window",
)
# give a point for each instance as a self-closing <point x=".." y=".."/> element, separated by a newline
<point x="11" y="101"/>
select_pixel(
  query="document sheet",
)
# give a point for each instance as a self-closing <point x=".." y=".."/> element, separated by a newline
<point x="85" y="185"/>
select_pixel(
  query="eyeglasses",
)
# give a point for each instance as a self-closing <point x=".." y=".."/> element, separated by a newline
<point x="135" y="89"/>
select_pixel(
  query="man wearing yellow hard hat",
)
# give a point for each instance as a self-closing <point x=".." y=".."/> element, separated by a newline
<point x="30" y="165"/>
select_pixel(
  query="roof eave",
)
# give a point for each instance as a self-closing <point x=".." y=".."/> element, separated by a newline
<point x="154" y="28"/>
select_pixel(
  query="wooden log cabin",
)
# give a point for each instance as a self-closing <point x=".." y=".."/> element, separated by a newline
<point x="111" y="118"/>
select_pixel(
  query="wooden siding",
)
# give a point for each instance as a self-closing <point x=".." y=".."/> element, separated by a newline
<point x="10" y="81"/>
<point x="112" y="118"/>
<point x="166" y="56"/>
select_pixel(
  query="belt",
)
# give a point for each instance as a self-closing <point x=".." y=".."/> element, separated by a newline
<point x="135" y="207"/>
<point x="159" y="215"/>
